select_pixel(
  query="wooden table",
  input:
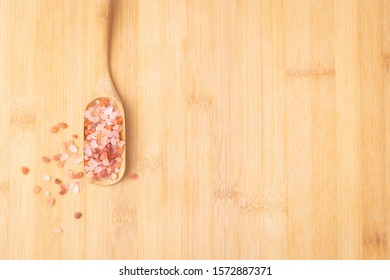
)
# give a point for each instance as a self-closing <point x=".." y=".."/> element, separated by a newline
<point x="258" y="129"/>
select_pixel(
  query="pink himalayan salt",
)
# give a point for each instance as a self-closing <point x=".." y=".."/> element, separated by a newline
<point x="103" y="144"/>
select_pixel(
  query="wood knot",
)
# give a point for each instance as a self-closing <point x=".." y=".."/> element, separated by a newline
<point x="150" y="163"/>
<point x="377" y="239"/>
<point x="225" y="193"/>
<point x="4" y="186"/>
<point x="124" y="216"/>
<point x="199" y="101"/>
<point x="23" y="120"/>
<point x="258" y="204"/>
<point x="386" y="62"/>
<point x="311" y="73"/>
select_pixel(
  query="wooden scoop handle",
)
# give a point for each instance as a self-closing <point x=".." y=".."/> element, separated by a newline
<point x="104" y="21"/>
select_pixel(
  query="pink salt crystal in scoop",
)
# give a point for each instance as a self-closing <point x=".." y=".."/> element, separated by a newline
<point x="103" y="142"/>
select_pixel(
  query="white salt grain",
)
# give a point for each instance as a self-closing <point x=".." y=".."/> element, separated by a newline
<point x="76" y="189"/>
<point x="73" y="148"/>
<point x="46" y="177"/>
<point x="46" y="193"/>
<point x="94" y="144"/>
<point x="64" y="157"/>
<point x="78" y="160"/>
<point x="88" y="151"/>
<point x="58" y="230"/>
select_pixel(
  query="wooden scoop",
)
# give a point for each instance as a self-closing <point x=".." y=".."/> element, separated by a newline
<point x="105" y="89"/>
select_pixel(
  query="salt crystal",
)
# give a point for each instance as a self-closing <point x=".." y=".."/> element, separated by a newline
<point x="117" y="170"/>
<point x="76" y="189"/>
<point x="99" y="127"/>
<point x="98" y="169"/>
<point x="72" y="148"/>
<point x="70" y="173"/>
<point x="113" y="115"/>
<point x="113" y="176"/>
<point x="46" y="177"/>
<point x="46" y="193"/>
<point x="57" y="230"/>
<point x="108" y="111"/>
<point x="78" y="160"/>
<point x="64" y="157"/>
<point x="94" y="144"/>
<point x="87" y="114"/>
<point x="88" y="151"/>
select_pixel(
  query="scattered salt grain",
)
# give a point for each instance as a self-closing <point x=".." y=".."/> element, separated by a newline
<point x="70" y="173"/>
<point x="46" y="193"/>
<point x="36" y="189"/>
<point x="50" y="202"/>
<point x="64" y="189"/>
<point x="56" y="157"/>
<point x="76" y="189"/>
<point x="63" y="125"/>
<point x="54" y="129"/>
<point x="58" y="230"/>
<point x="64" y="157"/>
<point x="72" y="148"/>
<point x="25" y="170"/>
<point x="78" y="175"/>
<point x="77" y="215"/>
<point x="78" y="160"/>
<point x="133" y="176"/>
<point x="46" y="177"/>
<point x="45" y="159"/>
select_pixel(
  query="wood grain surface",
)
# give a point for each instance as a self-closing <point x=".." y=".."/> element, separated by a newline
<point x="258" y="129"/>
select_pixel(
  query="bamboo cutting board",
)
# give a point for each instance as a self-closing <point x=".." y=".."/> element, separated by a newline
<point x="258" y="129"/>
